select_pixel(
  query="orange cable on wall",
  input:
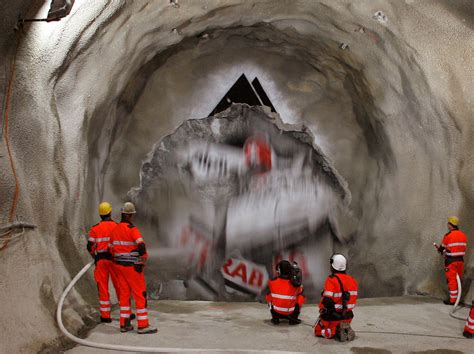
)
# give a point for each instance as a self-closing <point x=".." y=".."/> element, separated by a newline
<point x="7" y="141"/>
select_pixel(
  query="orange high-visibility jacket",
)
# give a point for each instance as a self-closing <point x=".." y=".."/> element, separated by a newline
<point x="124" y="241"/>
<point x="333" y="291"/>
<point x="455" y="243"/>
<point x="283" y="296"/>
<point x="99" y="236"/>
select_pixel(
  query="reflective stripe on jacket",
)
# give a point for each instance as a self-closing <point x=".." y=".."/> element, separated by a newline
<point x="124" y="240"/>
<point x="333" y="291"/>
<point x="283" y="296"/>
<point x="99" y="236"/>
<point x="455" y="243"/>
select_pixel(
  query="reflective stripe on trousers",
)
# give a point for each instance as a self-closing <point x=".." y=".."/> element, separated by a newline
<point x="284" y="309"/>
<point x="285" y="297"/>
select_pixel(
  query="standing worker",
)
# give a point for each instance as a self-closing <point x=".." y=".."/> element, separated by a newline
<point x="338" y="300"/>
<point x="129" y="251"/>
<point x="97" y="245"/>
<point x="285" y="297"/>
<point x="453" y="247"/>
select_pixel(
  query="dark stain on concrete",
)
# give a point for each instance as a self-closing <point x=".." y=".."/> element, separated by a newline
<point x="368" y="350"/>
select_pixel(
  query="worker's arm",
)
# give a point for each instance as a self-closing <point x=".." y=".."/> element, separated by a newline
<point x="268" y="297"/>
<point x="141" y="246"/>
<point x="327" y="300"/>
<point x="328" y="303"/>
<point x="91" y="245"/>
<point x="445" y="241"/>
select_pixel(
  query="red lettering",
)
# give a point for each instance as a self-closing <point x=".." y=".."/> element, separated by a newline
<point x="256" y="276"/>
<point x="226" y="266"/>
<point x="240" y="271"/>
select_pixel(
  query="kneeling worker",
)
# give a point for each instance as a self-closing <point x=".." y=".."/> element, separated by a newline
<point x="338" y="301"/>
<point x="286" y="294"/>
<point x="129" y="251"/>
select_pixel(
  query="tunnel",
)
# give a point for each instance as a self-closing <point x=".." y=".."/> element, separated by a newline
<point x="370" y="102"/>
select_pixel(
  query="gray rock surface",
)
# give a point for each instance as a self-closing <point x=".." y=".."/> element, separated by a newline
<point x="94" y="92"/>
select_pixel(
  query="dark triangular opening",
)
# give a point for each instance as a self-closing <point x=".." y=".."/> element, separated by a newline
<point x="244" y="92"/>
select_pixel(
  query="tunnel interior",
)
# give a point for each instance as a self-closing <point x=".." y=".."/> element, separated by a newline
<point x="108" y="100"/>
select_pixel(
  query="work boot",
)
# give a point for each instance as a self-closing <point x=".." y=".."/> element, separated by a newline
<point x="447" y="302"/>
<point x="344" y="332"/>
<point x="350" y="333"/>
<point x="294" y="321"/>
<point x="275" y="320"/>
<point x="341" y="334"/>
<point x="127" y="327"/>
<point x="105" y="320"/>
<point x="147" y="330"/>
<point x="467" y="334"/>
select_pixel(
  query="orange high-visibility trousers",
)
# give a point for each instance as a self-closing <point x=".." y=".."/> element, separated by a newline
<point x="133" y="283"/>
<point x="469" y="327"/>
<point x="451" y="271"/>
<point x="104" y="270"/>
<point x="327" y="329"/>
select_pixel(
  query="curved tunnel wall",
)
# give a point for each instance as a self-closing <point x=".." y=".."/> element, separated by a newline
<point x="96" y="91"/>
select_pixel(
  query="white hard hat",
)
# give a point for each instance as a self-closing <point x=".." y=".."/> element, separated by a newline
<point x="338" y="262"/>
<point x="128" y="208"/>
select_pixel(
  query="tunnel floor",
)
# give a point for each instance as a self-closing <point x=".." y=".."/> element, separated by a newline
<point x="411" y="324"/>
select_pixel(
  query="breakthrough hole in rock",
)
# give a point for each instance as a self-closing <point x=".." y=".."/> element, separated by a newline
<point x="225" y="198"/>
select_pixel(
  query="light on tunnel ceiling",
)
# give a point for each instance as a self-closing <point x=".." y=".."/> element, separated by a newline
<point x="57" y="10"/>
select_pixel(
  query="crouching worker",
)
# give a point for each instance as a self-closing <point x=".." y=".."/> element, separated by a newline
<point x="129" y="251"/>
<point x="285" y="297"/>
<point x="338" y="300"/>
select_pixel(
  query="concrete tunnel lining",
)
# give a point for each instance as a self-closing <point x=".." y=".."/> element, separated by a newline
<point x="99" y="110"/>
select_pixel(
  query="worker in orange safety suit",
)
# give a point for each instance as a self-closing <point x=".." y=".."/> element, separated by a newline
<point x="97" y="245"/>
<point x="129" y="251"/>
<point x="453" y="247"/>
<point x="337" y="302"/>
<point x="284" y="298"/>
<point x="469" y="327"/>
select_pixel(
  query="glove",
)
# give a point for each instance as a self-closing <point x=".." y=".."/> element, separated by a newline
<point x="138" y="267"/>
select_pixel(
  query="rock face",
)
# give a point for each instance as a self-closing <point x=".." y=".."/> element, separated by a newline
<point x="387" y="98"/>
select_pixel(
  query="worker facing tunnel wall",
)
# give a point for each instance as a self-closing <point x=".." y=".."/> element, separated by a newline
<point x="94" y="93"/>
<point x="227" y="197"/>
